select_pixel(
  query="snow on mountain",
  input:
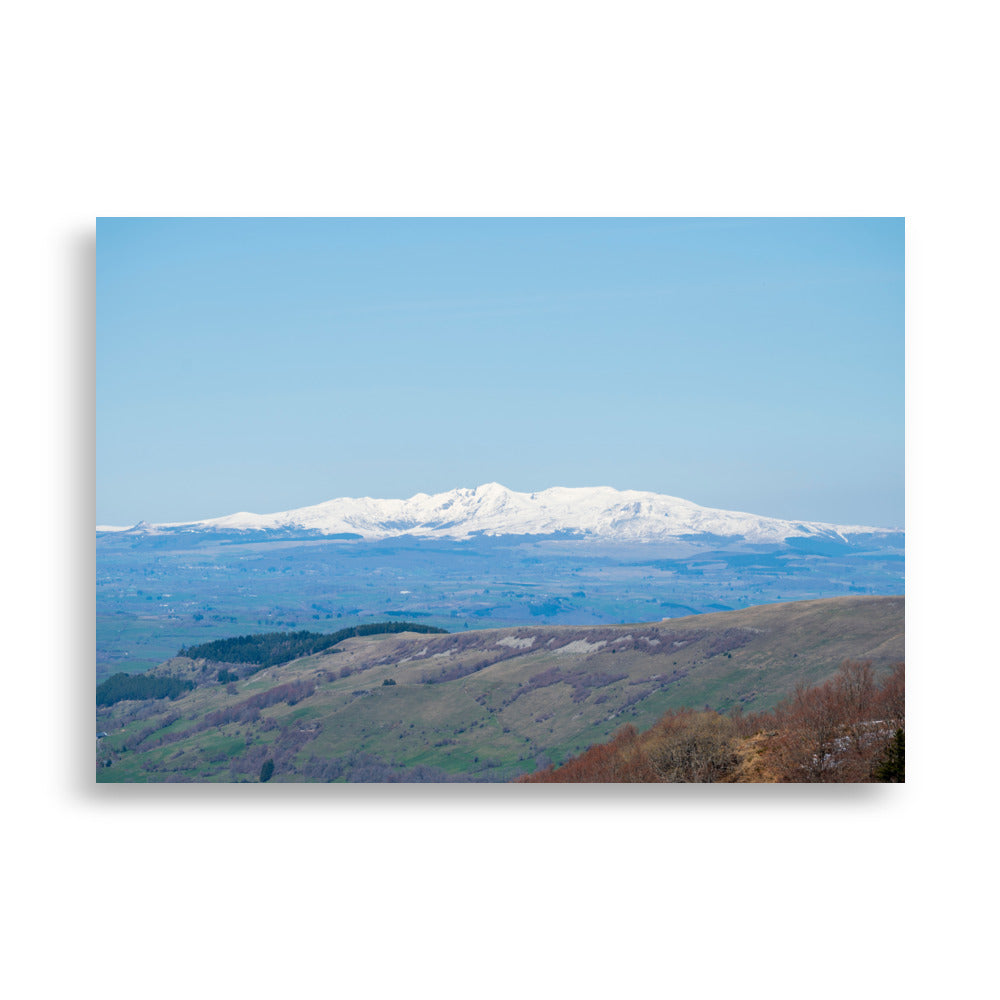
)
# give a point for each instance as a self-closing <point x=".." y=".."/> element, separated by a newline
<point x="598" y="512"/>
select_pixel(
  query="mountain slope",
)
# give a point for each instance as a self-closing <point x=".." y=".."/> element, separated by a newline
<point x="484" y="705"/>
<point x="595" y="512"/>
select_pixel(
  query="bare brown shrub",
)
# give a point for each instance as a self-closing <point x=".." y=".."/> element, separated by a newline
<point x="689" y="746"/>
<point x="837" y="731"/>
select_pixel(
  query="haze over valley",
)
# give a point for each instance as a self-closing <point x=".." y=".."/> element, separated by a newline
<point x="472" y="558"/>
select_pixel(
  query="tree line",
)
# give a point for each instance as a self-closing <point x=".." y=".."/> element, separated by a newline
<point x="270" y="649"/>
<point x="139" y="687"/>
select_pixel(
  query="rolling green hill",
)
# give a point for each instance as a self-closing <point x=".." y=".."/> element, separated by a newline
<point x="482" y="705"/>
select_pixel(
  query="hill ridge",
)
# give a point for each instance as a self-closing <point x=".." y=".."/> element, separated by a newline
<point x="485" y="704"/>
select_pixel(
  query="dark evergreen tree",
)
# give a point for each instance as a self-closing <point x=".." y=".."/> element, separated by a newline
<point x="269" y="649"/>
<point x="892" y="767"/>
<point x="266" y="770"/>
<point x="140" y="687"/>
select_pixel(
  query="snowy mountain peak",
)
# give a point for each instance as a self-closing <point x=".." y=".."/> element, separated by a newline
<point x="596" y="512"/>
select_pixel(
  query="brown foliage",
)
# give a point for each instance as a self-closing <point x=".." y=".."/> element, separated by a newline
<point x="839" y="731"/>
<point x="689" y="746"/>
<point x="620" y="760"/>
<point x="835" y="732"/>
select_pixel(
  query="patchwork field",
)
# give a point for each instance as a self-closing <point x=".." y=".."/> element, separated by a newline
<point x="154" y="597"/>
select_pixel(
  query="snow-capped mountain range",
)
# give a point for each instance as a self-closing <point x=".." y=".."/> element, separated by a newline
<point x="598" y="512"/>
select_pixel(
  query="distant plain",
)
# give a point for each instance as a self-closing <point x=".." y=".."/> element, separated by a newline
<point x="157" y="594"/>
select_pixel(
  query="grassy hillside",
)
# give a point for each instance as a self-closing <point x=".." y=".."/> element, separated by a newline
<point x="483" y="705"/>
<point x="850" y="728"/>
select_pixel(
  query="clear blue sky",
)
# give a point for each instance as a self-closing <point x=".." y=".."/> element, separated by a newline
<point x="269" y="364"/>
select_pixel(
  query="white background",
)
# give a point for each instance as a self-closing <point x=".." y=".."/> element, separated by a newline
<point x="493" y="109"/>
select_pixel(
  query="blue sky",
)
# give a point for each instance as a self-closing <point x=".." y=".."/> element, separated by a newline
<point x="269" y="364"/>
